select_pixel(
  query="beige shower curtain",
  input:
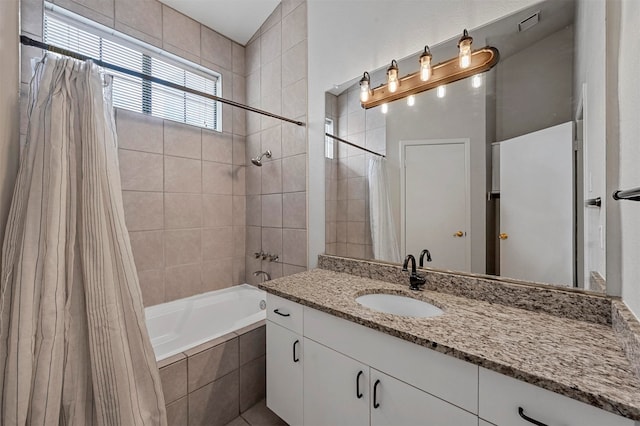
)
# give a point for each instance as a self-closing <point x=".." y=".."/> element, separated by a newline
<point x="74" y="348"/>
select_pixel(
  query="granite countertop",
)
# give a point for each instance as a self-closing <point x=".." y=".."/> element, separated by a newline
<point x="579" y="359"/>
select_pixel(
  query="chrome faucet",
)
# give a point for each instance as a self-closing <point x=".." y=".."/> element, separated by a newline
<point x="428" y="253"/>
<point x="265" y="275"/>
<point x="415" y="281"/>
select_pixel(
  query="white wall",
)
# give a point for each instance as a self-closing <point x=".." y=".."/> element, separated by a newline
<point x="9" y="111"/>
<point x="589" y="77"/>
<point x="629" y="103"/>
<point x="370" y="35"/>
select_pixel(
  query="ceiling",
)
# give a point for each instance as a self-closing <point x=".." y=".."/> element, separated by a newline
<point x="236" y="19"/>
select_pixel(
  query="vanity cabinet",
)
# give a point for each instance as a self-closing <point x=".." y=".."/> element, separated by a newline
<point x="397" y="403"/>
<point x="285" y="359"/>
<point x="336" y="388"/>
<point x="324" y="370"/>
<point x="502" y="396"/>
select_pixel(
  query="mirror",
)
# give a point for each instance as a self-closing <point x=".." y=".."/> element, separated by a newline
<point x="501" y="173"/>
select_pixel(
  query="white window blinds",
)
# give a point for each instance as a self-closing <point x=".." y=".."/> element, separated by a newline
<point x="133" y="93"/>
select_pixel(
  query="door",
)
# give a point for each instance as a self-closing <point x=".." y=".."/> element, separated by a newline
<point x="336" y="388"/>
<point x="396" y="403"/>
<point x="435" y="197"/>
<point x="284" y="373"/>
<point x="536" y="206"/>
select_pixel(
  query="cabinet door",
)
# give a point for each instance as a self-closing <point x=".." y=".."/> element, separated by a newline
<point x="284" y="373"/>
<point x="396" y="403"/>
<point x="336" y="388"/>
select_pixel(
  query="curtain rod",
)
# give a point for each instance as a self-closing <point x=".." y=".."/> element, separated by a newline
<point x="51" y="48"/>
<point x="354" y="145"/>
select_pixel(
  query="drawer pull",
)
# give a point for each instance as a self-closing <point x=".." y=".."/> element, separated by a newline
<point x="529" y="419"/>
<point x="280" y="313"/>
<point x="375" y="394"/>
<point x="358" y="393"/>
<point x="295" y="357"/>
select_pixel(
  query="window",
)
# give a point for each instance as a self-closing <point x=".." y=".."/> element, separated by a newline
<point x="329" y="143"/>
<point x="75" y="33"/>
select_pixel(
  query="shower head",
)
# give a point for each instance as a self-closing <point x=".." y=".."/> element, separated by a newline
<point x="258" y="160"/>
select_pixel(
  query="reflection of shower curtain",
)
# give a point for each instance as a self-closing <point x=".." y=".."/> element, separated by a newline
<point x="383" y="231"/>
<point x="74" y="348"/>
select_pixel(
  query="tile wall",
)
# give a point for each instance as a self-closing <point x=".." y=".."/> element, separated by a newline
<point x="366" y="128"/>
<point x="276" y="68"/>
<point x="213" y="383"/>
<point x="183" y="186"/>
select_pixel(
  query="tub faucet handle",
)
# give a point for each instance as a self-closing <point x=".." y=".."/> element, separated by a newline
<point x="257" y="254"/>
<point x="273" y="258"/>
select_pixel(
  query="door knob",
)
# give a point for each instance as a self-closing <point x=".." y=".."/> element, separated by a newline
<point x="458" y="234"/>
<point x="503" y="236"/>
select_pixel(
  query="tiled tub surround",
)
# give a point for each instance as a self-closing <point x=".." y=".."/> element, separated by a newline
<point x="579" y="359"/>
<point x="213" y="383"/>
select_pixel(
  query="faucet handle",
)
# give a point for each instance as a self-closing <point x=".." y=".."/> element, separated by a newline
<point x="273" y="258"/>
<point x="257" y="254"/>
<point x="416" y="282"/>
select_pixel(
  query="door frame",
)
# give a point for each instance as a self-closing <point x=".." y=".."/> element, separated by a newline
<point x="467" y="167"/>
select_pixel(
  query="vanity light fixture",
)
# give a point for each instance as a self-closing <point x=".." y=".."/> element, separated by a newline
<point x="468" y="63"/>
<point x="464" y="45"/>
<point x="365" y="87"/>
<point x="384" y="108"/>
<point x="425" y="64"/>
<point x="392" y="77"/>
<point x="476" y="81"/>
<point x="441" y="91"/>
<point x="411" y="100"/>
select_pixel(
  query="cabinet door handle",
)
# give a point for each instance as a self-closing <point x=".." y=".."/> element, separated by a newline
<point x="358" y="393"/>
<point x="529" y="419"/>
<point x="375" y="394"/>
<point x="295" y="357"/>
<point x="281" y="314"/>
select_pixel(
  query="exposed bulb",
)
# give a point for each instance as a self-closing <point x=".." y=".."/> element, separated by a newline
<point x="392" y="77"/>
<point x="411" y="100"/>
<point x="384" y="108"/>
<point x="441" y="91"/>
<point x="425" y="64"/>
<point x="365" y="87"/>
<point x="476" y="81"/>
<point x="465" y="50"/>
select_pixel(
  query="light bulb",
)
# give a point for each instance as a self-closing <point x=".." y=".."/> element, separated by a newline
<point x="385" y="108"/>
<point x="411" y="100"/>
<point x="441" y="91"/>
<point x="392" y="77"/>
<point x="425" y="64"/>
<point x="365" y="87"/>
<point x="465" y="50"/>
<point x="476" y="81"/>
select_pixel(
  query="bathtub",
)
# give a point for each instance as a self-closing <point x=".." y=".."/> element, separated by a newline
<point x="182" y="324"/>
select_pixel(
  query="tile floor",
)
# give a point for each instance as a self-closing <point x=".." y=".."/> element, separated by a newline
<point x="258" y="415"/>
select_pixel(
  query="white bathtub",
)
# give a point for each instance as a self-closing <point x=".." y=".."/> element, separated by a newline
<point x="177" y="326"/>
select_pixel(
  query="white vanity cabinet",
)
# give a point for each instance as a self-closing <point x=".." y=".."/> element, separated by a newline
<point x="336" y="388"/>
<point x="396" y="403"/>
<point x="323" y="370"/>
<point x="502" y="396"/>
<point x="284" y="359"/>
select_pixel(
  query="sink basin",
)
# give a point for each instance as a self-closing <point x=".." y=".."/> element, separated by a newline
<point x="399" y="305"/>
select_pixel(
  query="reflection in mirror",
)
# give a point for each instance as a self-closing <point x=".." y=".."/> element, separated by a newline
<point x="494" y="174"/>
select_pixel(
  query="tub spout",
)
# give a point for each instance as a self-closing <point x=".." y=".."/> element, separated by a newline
<point x="265" y="275"/>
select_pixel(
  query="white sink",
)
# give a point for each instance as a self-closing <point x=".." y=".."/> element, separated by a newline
<point x="399" y="305"/>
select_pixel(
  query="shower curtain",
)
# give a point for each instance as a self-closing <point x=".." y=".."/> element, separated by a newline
<point x="383" y="231"/>
<point x="74" y="348"/>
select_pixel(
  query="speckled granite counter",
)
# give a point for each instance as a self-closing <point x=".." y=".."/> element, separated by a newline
<point x="579" y="359"/>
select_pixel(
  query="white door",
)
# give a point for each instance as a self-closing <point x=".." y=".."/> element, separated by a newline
<point x="336" y="388"/>
<point x="397" y="403"/>
<point x="435" y="198"/>
<point x="536" y="206"/>
<point x="284" y="373"/>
